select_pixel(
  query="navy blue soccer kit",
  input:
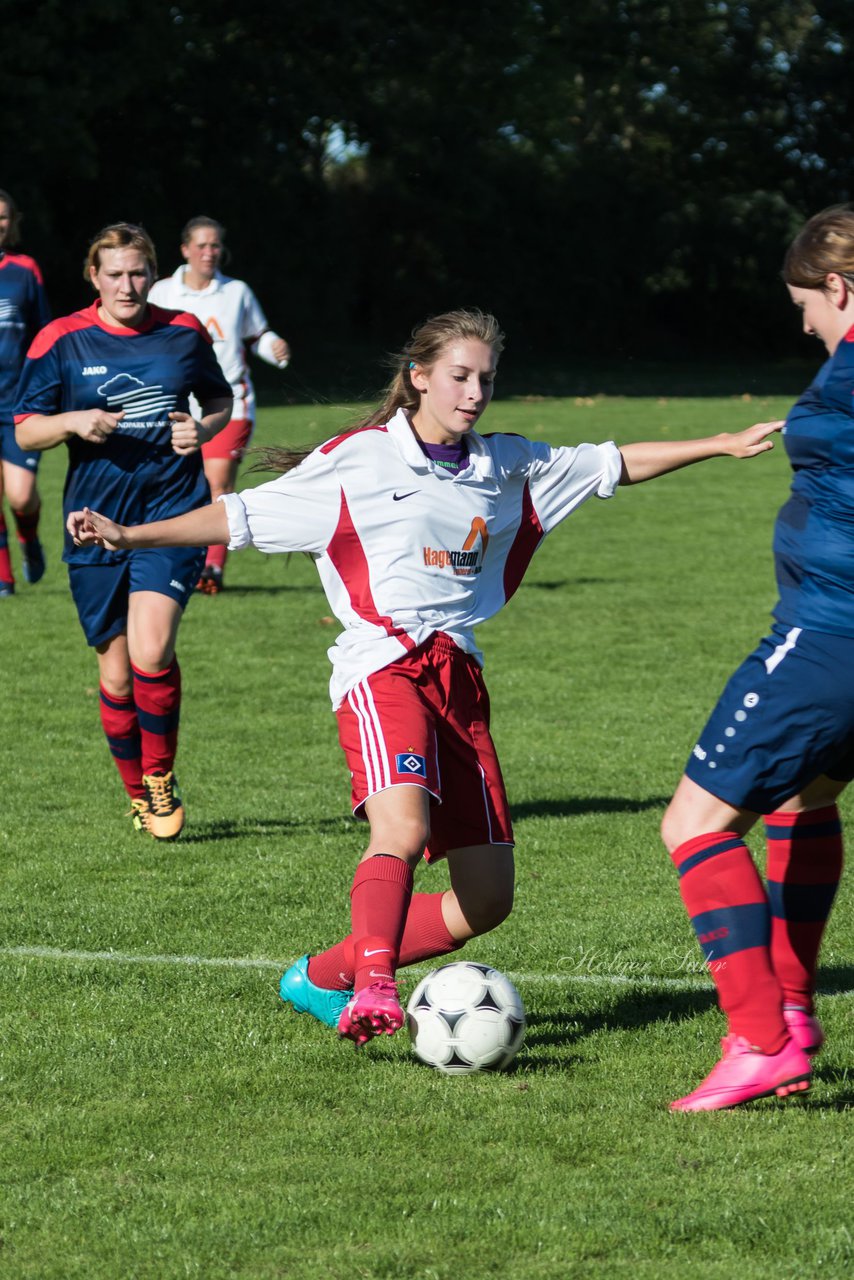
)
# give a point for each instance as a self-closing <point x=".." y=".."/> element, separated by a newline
<point x="134" y="475"/>
<point x="787" y="714"/>
<point x="23" y="311"/>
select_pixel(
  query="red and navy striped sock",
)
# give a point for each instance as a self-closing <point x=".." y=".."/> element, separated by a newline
<point x="157" y="696"/>
<point x="379" y="902"/>
<point x="121" y="728"/>
<point x="728" y="906"/>
<point x="803" y="871"/>
<point x="6" y="574"/>
<point x="425" y="936"/>
<point x="27" y="525"/>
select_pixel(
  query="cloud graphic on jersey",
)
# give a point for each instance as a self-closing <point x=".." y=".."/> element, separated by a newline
<point x="125" y="392"/>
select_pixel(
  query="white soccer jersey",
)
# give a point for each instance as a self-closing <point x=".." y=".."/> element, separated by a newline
<point x="403" y="547"/>
<point x="233" y="317"/>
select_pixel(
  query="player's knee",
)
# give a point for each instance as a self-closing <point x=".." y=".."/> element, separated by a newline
<point x="492" y="907"/>
<point x="406" y="838"/>
<point x="117" y="686"/>
<point x="673" y="829"/>
<point x="152" y="654"/>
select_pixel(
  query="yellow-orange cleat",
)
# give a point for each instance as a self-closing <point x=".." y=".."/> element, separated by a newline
<point x="164" y="818"/>
<point x="138" y="808"/>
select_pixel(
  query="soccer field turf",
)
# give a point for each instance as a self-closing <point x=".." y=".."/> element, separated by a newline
<point x="163" y="1116"/>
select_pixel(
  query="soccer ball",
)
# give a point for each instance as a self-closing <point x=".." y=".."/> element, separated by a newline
<point x="466" y="1017"/>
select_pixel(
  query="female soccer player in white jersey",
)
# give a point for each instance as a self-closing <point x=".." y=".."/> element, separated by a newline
<point x="421" y="529"/>
<point x="780" y="742"/>
<point x="113" y="383"/>
<point x="233" y="317"/>
<point x="23" y="311"/>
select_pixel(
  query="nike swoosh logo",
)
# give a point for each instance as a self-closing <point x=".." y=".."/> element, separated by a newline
<point x="398" y="497"/>
<point x="376" y="951"/>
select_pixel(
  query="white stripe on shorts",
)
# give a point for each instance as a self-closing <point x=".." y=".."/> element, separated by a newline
<point x="780" y="652"/>
<point x="377" y="771"/>
<point x="486" y="802"/>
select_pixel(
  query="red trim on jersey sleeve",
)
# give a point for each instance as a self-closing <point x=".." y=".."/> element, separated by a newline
<point x="346" y="435"/>
<point x="347" y="554"/>
<point x="57" y="329"/>
<point x="528" y="537"/>
<point x="22" y="260"/>
<point x="164" y="315"/>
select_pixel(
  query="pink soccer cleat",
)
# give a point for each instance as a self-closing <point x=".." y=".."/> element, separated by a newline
<point x="744" y="1073"/>
<point x="373" y="1011"/>
<point x="804" y="1029"/>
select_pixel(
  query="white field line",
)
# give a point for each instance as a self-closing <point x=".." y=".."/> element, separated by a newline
<point x="685" y="982"/>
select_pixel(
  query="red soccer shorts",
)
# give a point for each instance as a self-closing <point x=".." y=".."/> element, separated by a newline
<point x="424" y="721"/>
<point x="232" y="441"/>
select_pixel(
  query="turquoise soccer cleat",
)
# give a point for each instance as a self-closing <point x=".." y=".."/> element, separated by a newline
<point x="297" y="988"/>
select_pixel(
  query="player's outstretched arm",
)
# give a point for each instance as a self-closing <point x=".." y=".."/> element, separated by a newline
<point x="648" y="459"/>
<point x="207" y="526"/>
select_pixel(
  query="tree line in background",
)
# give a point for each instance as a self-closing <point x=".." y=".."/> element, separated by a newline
<point x="610" y="176"/>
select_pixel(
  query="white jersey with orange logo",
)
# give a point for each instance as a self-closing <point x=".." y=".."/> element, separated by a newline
<point x="233" y="317"/>
<point x="405" y="549"/>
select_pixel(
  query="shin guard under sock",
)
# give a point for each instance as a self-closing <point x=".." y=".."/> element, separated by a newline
<point x="803" y="870"/>
<point x="27" y="525"/>
<point x="726" y="900"/>
<point x="6" y="574"/>
<point x="158" y="706"/>
<point x="379" y="901"/>
<point x="121" y="729"/>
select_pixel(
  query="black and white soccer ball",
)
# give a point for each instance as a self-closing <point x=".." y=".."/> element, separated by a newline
<point x="466" y="1017"/>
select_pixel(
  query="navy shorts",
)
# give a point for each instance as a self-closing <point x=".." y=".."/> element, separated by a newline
<point x="101" y="591"/>
<point x="10" y="451"/>
<point x="785" y="718"/>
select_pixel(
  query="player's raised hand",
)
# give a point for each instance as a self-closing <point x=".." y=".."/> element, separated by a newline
<point x="755" y="439"/>
<point x="188" y="435"/>
<point x="94" y="425"/>
<point x="281" y="353"/>
<point x="88" y="528"/>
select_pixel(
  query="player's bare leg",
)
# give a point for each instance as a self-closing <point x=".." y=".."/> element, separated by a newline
<point x="221" y="475"/>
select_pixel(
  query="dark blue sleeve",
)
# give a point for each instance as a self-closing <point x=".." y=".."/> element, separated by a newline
<point x="40" y="384"/>
<point x="838" y="389"/>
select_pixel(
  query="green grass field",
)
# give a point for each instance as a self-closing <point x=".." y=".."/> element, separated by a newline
<point x="164" y="1117"/>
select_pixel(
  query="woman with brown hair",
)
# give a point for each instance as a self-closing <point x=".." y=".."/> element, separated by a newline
<point x="780" y="742"/>
<point x="112" y="382"/>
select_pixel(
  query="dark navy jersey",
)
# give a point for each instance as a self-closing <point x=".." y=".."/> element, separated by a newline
<point x="79" y="363"/>
<point x="23" y="311"/>
<point x="814" y="533"/>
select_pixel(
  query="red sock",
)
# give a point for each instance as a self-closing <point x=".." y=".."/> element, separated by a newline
<point x="121" y="727"/>
<point x="216" y="557"/>
<point x="6" y="574"/>
<point x="158" y="707"/>
<point x="425" y="936"/>
<point x="379" y="901"/>
<point x="27" y="524"/>
<point x="803" y="871"/>
<point x="726" y="901"/>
